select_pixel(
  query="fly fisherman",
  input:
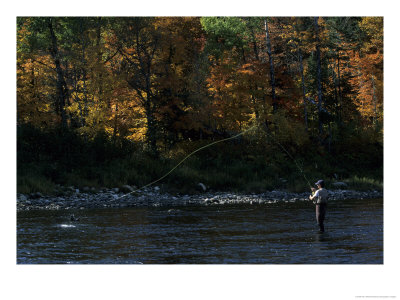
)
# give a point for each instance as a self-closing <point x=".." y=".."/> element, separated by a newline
<point x="320" y="199"/>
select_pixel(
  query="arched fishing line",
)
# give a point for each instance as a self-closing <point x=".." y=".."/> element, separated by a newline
<point x="201" y="148"/>
<point x="216" y="142"/>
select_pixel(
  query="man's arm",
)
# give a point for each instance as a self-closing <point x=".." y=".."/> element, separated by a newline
<point x="312" y="197"/>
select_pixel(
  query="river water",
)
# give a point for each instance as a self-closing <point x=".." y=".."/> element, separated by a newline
<point x="280" y="233"/>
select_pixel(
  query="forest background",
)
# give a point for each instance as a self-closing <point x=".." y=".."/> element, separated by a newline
<point x="105" y="101"/>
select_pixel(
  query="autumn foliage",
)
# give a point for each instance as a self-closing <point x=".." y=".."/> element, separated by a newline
<point x="166" y="85"/>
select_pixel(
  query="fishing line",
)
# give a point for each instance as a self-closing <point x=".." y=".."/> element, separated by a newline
<point x="197" y="150"/>
<point x="216" y="142"/>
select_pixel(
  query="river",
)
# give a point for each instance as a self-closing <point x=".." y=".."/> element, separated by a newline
<point x="280" y="233"/>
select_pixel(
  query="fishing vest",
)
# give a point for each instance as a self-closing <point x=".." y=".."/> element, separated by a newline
<point x="321" y="196"/>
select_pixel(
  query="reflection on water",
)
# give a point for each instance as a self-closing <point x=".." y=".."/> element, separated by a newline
<point x="258" y="234"/>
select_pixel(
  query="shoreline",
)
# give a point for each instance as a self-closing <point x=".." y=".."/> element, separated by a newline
<point x="152" y="197"/>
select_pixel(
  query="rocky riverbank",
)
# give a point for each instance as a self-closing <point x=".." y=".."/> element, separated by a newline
<point x="152" y="197"/>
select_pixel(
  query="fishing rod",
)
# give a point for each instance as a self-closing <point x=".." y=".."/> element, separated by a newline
<point x="287" y="152"/>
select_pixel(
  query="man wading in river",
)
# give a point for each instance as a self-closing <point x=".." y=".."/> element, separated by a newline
<point x="320" y="199"/>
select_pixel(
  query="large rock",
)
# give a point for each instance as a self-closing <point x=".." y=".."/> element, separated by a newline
<point x="36" y="195"/>
<point x="339" y="184"/>
<point x="213" y="200"/>
<point x="127" y="189"/>
<point x="23" y="198"/>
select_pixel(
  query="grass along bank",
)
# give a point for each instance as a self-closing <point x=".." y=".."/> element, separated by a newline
<point x="49" y="159"/>
<point x="140" y="169"/>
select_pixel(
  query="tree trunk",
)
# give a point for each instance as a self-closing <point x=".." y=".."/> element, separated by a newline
<point x="375" y="117"/>
<point x="271" y="64"/>
<point x="303" y="85"/>
<point x="319" y="80"/>
<point x="339" y="90"/>
<point x="253" y="97"/>
<point x="99" y="56"/>
<point x="84" y="77"/>
<point x="335" y="82"/>
<point x="62" y="90"/>
<point x="115" y="129"/>
<point x="360" y="83"/>
<point x="151" y="129"/>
